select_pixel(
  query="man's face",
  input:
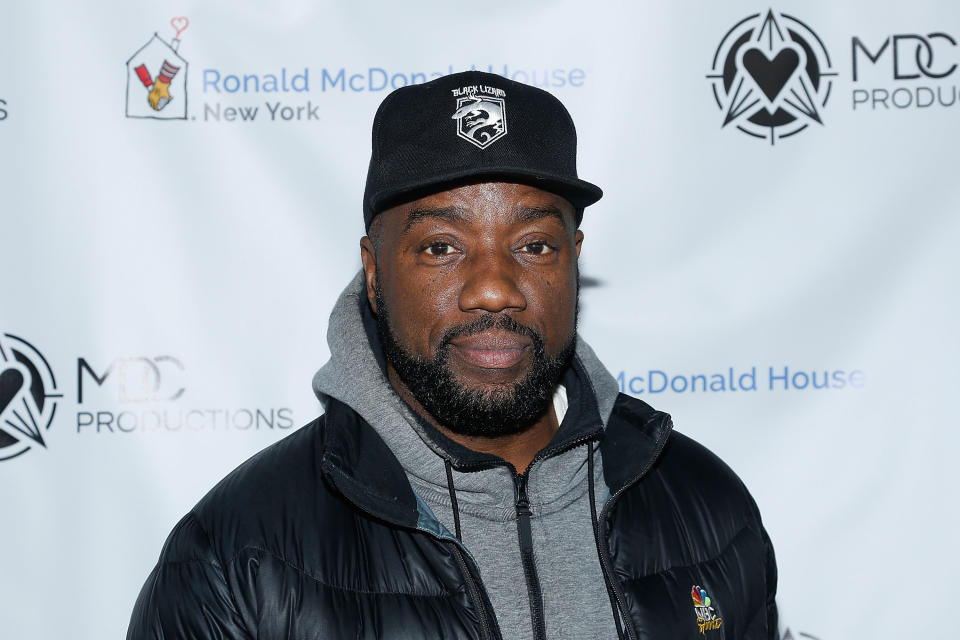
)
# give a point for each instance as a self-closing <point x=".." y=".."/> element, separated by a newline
<point x="475" y="291"/>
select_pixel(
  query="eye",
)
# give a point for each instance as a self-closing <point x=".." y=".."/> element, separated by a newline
<point x="438" y="249"/>
<point x="537" y="248"/>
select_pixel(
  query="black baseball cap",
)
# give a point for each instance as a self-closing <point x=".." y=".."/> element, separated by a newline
<point x="471" y="126"/>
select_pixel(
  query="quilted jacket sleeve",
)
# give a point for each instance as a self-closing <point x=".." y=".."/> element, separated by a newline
<point x="186" y="595"/>
<point x="772" y="615"/>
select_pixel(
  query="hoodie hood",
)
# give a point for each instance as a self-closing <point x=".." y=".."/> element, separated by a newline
<point x="355" y="375"/>
<point x="473" y="494"/>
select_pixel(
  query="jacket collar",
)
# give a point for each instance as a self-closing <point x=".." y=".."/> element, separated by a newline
<point x="632" y="442"/>
<point x="355" y="459"/>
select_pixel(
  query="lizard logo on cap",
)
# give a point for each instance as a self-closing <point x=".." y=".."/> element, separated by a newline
<point x="480" y="115"/>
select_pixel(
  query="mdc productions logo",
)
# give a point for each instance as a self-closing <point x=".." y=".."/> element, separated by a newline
<point x="120" y="396"/>
<point x="905" y="71"/>
<point x="28" y="397"/>
<point x="771" y="76"/>
<point x="157" y="78"/>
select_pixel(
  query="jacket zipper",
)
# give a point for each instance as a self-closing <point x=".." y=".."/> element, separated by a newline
<point x="603" y="545"/>
<point x="534" y="594"/>
<point x="474" y="586"/>
<point x="525" y="536"/>
<point x="474" y="589"/>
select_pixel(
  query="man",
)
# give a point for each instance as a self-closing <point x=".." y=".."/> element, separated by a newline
<point x="476" y="473"/>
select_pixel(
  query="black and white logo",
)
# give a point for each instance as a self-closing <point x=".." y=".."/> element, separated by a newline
<point x="481" y="114"/>
<point x="28" y="397"/>
<point x="771" y="76"/>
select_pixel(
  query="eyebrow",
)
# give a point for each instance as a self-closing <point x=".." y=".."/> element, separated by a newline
<point x="529" y="214"/>
<point x="459" y="214"/>
<point x="449" y="214"/>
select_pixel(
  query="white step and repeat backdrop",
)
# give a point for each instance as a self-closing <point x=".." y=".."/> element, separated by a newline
<point x="774" y="263"/>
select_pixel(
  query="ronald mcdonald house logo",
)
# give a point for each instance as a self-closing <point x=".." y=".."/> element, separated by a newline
<point x="277" y="91"/>
<point x="776" y="378"/>
<point x="157" y="78"/>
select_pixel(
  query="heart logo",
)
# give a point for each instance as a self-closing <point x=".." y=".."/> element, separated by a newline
<point x="179" y="24"/>
<point x="771" y="75"/>
<point x="11" y="381"/>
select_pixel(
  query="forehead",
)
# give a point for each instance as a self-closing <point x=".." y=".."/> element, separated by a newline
<point x="482" y="203"/>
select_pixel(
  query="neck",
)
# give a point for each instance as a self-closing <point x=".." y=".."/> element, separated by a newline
<point x="518" y="449"/>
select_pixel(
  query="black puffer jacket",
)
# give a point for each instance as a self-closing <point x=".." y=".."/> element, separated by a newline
<point x="321" y="536"/>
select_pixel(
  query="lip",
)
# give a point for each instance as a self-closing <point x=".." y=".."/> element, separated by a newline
<point x="491" y="349"/>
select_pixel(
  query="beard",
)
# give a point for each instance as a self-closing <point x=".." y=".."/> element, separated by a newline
<point x="489" y="413"/>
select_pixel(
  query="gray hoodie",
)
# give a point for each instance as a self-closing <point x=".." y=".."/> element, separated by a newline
<point x="575" y="600"/>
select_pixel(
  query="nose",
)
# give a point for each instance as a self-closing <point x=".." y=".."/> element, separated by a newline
<point x="491" y="284"/>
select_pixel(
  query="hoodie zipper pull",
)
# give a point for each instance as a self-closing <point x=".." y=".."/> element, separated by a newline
<point x="520" y="496"/>
<point x="525" y="536"/>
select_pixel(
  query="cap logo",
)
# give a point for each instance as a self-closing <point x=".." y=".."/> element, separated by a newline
<point x="481" y="114"/>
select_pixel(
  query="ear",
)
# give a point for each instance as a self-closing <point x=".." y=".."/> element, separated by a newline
<point x="369" y="259"/>
<point x="578" y="239"/>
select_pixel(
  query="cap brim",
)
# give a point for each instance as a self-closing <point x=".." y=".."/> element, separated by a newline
<point x="579" y="193"/>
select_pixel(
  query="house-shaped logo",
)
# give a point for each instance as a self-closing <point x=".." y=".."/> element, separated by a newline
<point x="157" y="78"/>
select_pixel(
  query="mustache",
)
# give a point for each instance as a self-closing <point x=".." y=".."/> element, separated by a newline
<point x="485" y="323"/>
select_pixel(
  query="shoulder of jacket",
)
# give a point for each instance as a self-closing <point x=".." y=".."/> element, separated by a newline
<point x="188" y="542"/>
<point x="698" y="477"/>
<point x="686" y="468"/>
<point x="268" y="487"/>
<point x="634" y="409"/>
<point x="683" y="454"/>
<point x="284" y="463"/>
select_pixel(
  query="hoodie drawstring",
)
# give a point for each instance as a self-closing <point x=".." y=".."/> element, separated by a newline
<point x="453" y="499"/>
<point x="591" y="484"/>
<point x="597" y="533"/>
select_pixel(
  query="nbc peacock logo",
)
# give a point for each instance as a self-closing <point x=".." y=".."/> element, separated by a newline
<point x="157" y="78"/>
<point x="707" y="618"/>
